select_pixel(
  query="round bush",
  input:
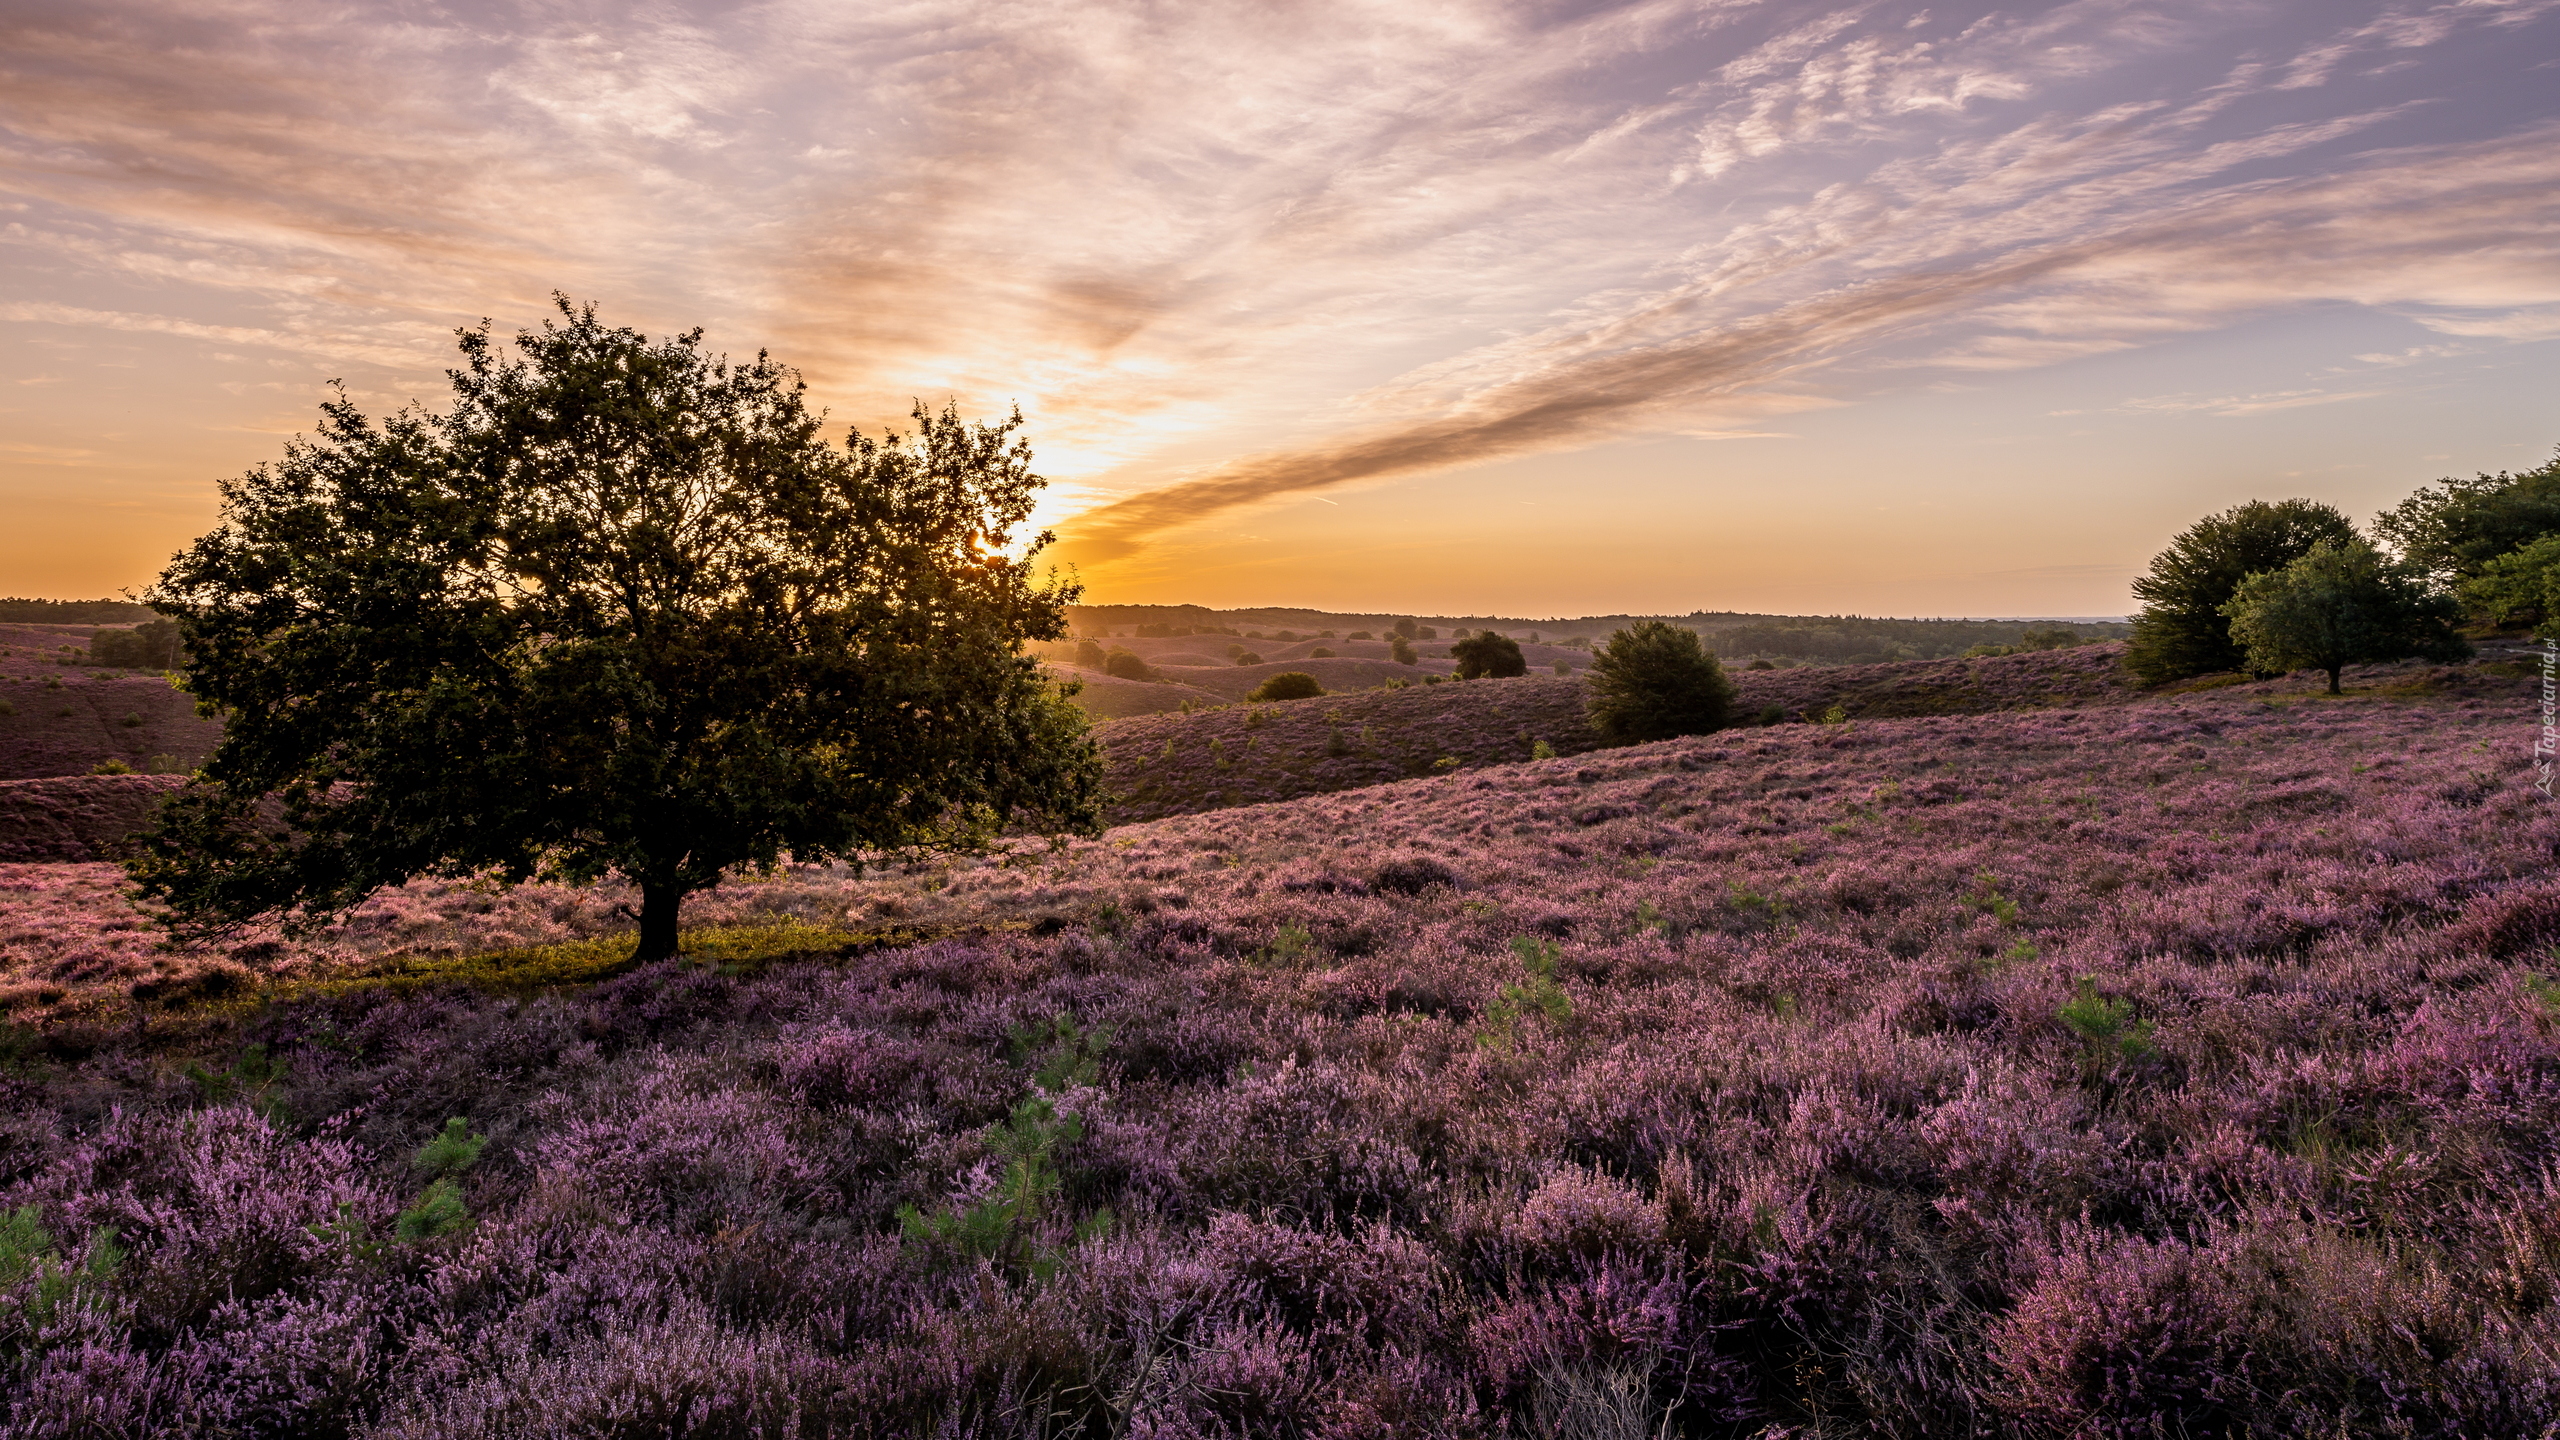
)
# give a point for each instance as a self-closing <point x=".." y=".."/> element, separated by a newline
<point x="1489" y="656"/>
<point x="1127" y="665"/>
<point x="1653" y="681"/>
<point x="1287" y="685"/>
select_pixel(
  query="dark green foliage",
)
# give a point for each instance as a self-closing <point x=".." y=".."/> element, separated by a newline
<point x="1358" y="635"/>
<point x="2455" y="527"/>
<point x="1320" y="653"/>
<point x="28" y="1252"/>
<point x="1400" y="650"/>
<point x="1248" y="658"/>
<point x="621" y="609"/>
<point x="153" y="645"/>
<point x="1091" y="655"/>
<point x="1287" y="685"/>
<point x="2106" y="1024"/>
<point x="1127" y="664"/>
<point x="2519" y="587"/>
<point x="453" y="1151"/>
<point x="1540" y="994"/>
<point x="2181" y="629"/>
<point x="440" y="1209"/>
<point x="1772" y="714"/>
<point x="252" y="1079"/>
<point x="2342" y="605"/>
<point x="1488" y="656"/>
<point x="1008" y="1227"/>
<point x="2055" y="637"/>
<point x="1653" y="681"/>
<point x="1404" y="629"/>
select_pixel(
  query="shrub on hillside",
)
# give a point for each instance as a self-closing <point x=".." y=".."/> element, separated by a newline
<point x="1248" y="658"/>
<point x="1401" y="651"/>
<point x="1320" y="653"/>
<point x="1653" y="681"/>
<point x="1091" y="655"/>
<point x="1128" y="665"/>
<point x="1488" y="655"/>
<point x="2057" y="637"/>
<point x="1287" y="685"/>
<point x="2342" y="605"/>
<point x="1359" y="635"/>
<point x="2182" y="630"/>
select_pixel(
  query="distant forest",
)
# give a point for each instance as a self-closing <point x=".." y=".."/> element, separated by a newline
<point x="1831" y="639"/>
<point x="16" y="611"/>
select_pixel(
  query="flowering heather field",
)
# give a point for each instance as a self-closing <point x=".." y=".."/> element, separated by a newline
<point x="1178" y="764"/>
<point x="2183" y="1067"/>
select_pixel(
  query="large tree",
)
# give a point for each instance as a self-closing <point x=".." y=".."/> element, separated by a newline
<point x="2453" y="528"/>
<point x="2342" y="605"/>
<point x="620" y="609"/>
<point x="2181" y="630"/>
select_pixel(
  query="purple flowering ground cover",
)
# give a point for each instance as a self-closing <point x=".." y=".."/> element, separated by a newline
<point x="2186" y="1066"/>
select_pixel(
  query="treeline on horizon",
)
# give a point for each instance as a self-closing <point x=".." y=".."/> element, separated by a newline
<point x="1735" y="635"/>
<point x="18" y="610"/>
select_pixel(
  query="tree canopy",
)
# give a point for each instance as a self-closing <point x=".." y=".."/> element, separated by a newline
<point x="1653" y="681"/>
<point x="2453" y="528"/>
<point x="1488" y="656"/>
<point x="1287" y="685"/>
<point x="619" y="609"/>
<point x="2342" y="605"/>
<point x="2181" y="629"/>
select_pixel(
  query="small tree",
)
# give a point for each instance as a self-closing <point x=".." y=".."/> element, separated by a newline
<point x="621" y="609"/>
<point x="1400" y="650"/>
<point x="1404" y="629"/>
<point x="2181" y="629"/>
<point x="1287" y="685"/>
<point x="2342" y="605"/>
<point x="1248" y="657"/>
<point x="1091" y="655"/>
<point x="1488" y="655"/>
<point x="1127" y="664"/>
<point x="1652" y="681"/>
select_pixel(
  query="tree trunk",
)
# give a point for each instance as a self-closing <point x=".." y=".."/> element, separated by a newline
<point x="2333" y="678"/>
<point x="658" y="907"/>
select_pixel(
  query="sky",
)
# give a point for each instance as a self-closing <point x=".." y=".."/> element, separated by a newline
<point x="1404" y="306"/>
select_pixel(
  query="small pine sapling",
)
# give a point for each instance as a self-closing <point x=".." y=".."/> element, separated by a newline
<point x="1541" y="994"/>
<point x="2106" y="1024"/>
<point x="439" y="1209"/>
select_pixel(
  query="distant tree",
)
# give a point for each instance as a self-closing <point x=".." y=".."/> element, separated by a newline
<point x="1488" y="655"/>
<point x="1247" y="657"/>
<point x="1359" y="635"/>
<point x="2519" y="587"/>
<point x="2181" y="629"/>
<point x="2453" y="528"/>
<point x="1404" y="629"/>
<point x="2057" y="637"/>
<point x="622" y="609"/>
<point x="1400" y="650"/>
<point x="1234" y="650"/>
<point x="1320" y="653"/>
<point x="1652" y="681"/>
<point x="2342" y="605"/>
<point x="1287" y="685"/>
<point x="1127" y="664"/>
<point x="1425" y="632"/>
<point x="1091" y="655"/>
<point x="1564" y="667"/>
<point x="152" y="645"/>
<point x="1759" y="665"/>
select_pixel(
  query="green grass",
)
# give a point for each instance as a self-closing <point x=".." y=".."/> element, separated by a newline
<point x="565" y="965"/>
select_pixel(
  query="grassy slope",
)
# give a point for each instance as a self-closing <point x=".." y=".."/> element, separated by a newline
<point x="67" y="719"/>
<point x="1171" y="764"/>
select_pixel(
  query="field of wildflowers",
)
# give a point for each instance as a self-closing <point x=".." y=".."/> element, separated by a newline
<point x="2181" y="1065"/>
<point x="63" y="719"/>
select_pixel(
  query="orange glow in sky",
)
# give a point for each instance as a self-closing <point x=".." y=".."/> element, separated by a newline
<point x="1440" y="308"/>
